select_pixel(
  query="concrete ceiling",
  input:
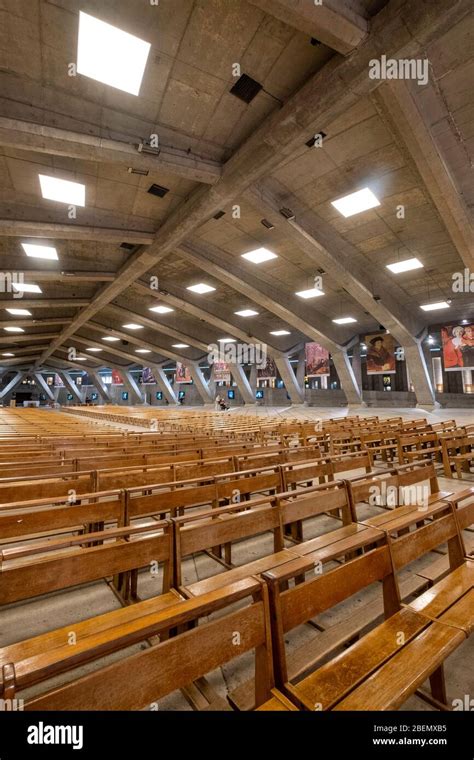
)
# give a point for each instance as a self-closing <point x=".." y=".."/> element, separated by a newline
<point x="413" y="145"/>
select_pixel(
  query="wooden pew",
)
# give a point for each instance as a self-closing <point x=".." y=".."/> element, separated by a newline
<point x="41" y="567"/>
<point x="173" y="663"/>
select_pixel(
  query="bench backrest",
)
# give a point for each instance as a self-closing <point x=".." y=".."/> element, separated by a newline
<point x="31" y="571"/>
<point x="301" y="602"/>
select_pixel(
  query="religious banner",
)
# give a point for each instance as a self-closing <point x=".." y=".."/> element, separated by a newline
<point x="221" y="372"/>
<point x="269" y="371"/>
<point x="183" y="374"/>
<point x="458" y="347"/>
<point x="380" y="354"/>
<point x="116" y="377"/>
<point x="317" y="360"/>
<point x="148" y="377"/>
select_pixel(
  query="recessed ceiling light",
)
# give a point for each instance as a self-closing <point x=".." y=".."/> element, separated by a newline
<point x="344" y="320"/>
<point x="133" y="326"/>
<point x="405" y="266"/>
<point x="180" y="345"/>
<point x="94" y="350"/>
<point x="280" y="332"/>
<point x="109" y="55"/>
<point x="434" y="306"/>
<point x="226" y="340"/>
<point x="310" y="293"/>
<point x="160" y="309"/>
<point x="143" y="351"/>
<point x="81" y="358"/>
<point x="246" y="313"/>
<point x="259" y="255"/>
<point x="8" y="354"/>
<point x="14" y="329"/>
<point x="40" y="251"/>
<point x="200" y="288"/>
<point x="25" y="287"/>
<point x="19" y="312"/>
<point x="62" y="190"/>
<point x="356" y="202"/>
<point x="111" y="339"/>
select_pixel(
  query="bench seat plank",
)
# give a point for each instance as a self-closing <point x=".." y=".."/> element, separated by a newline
<point x="238" y="573"/>
<point x="446" y="592"/>
<point x="331" y="682"/>
<point x="393" y="683"/>
<point x="277" y="702"/>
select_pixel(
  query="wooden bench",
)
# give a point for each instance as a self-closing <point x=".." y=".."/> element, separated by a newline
<point x="457" y="453"/>
<point x="135" y="682"/>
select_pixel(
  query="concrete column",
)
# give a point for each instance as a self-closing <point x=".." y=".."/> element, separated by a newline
<point x="165" y="385"/>
<point x="243" y="384"/>
<point x="466" y="379"/>
<point x="71" y="386"/>
<point x="12" y="384"/>
<point x="99" y="384"/>
<point x="253" y="378"/>
<point x="301" y="369"/>
<point x="357" y="364"/>
<point x="44" y="385"/>
<point x="131" y="385"/>
<point x="420" y="376"/>
<point x="294" y="390"/>
<point x="201" y="385"/>
<point x="347" y="378"/>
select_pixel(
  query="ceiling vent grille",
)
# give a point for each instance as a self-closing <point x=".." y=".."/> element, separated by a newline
<point x="246" y="88"/>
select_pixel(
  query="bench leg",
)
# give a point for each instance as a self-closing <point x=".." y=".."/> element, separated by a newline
<point x="438" y="685"/>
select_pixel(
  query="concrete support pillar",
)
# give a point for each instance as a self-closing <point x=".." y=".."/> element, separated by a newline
<point x="12" y="384"/>
<point x="420" y="376"/>
<point x="243" y="384"/>
<point x="165" y="385"/>
<point x="71" y="386"/>
<point x="466" y="380"/>
<point x="301" y="369"/>
<point x="357" y="364"/>
<point x="99" y="384"/>
<point x="347" y="378"/>
<point x="294" y="390"/>
<point x="131" y="384"/>
<point x="44" y="385"/>
<point x="253" y="378"/>
<point x="201" y="385"/>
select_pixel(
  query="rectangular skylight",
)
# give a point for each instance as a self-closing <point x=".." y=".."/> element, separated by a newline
<point x="133" y="326"/>
<point x="35" y="251"/>
<point x="143" y="351"/>
<point x="356" y="202"/>
<point x="94" y="350"/>
<point x="310" y="293"/>
<point x="405" y="266"/>
<point x="226" y="340"/>
<point x="434" y="306"/>
<point x="14" y="329"/>
<point x="8" y="354"/>
<point x="280" y="332"/>
<point x="344" y="320"/>
<point x="109" y="55"/>
<point x="259" y="255"/>
<point x="180" y="345"/>
<point x="26" y="287"/>
<point x="19" y="312"/>
<point x="161" y="309"/>
<point x="111" y="339"/>
<point x="200" y="288"/>
<point x="62" y="190"/>
<point x="246" y="313"/>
